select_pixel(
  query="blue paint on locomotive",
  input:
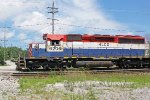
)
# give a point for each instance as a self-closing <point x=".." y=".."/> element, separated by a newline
<point x="89" y="52"/>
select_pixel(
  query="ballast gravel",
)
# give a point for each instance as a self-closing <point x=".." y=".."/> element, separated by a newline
<point x="102" y="90"/>
<point x="9" y="87"/>
<point x="9" y="90"/>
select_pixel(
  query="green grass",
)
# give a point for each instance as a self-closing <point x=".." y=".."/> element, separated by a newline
<point x="139" y="80"/>
<point x="37" y="84"/>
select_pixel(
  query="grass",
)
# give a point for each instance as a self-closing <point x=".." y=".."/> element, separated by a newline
<point x="139" y="80"/>
<point x="34" y="86"/>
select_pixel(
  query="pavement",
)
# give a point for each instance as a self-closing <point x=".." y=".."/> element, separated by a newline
<point x="10" y="67"/>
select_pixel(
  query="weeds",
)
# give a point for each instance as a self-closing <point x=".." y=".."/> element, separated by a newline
<point x="69" y="86"/>
<point x="91" y="95"/>
<point x="120" y="80"/>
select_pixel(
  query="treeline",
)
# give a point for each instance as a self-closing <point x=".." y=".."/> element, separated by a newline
<point x="11" y="53"/>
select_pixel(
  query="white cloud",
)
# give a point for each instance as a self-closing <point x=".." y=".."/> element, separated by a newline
<point x="86" y="13"/>
<point x="33" y="21"/>
<point x="8" y="35"/>
<point x="73" y="12"/>
<point x="27" y="41"/>
<point x="13" y="8"/>
<point x="22" y="36"/>
<point x="129" y="33"/>
<point x="9" y="8"/>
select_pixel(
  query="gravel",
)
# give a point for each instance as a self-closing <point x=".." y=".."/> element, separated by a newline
<point x="102" y="90"/>
<point x="11" y="67"/>
<point x="8" y="87"/>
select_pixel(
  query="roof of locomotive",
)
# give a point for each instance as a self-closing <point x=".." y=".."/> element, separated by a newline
<point x="92" y="38"/>
<point x="88" y="36"/>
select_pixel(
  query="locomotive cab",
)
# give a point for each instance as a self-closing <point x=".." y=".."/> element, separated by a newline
<point x="54" y="43"/>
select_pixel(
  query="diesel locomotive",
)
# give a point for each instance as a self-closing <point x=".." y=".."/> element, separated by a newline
<point x="60" y="51"/>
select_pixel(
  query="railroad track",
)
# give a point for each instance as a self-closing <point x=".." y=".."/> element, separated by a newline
<point x="125" y="70"/>
<point x="46" y="74"/>
<point x="37" y="74"/>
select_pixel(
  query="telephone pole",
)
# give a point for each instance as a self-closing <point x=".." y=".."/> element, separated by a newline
<point x="11" y="52"/>
<point x="53" y="10"/>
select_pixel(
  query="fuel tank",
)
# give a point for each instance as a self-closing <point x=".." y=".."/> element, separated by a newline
<point x="91" y="64"/>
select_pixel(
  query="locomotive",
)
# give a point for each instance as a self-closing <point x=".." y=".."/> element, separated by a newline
<point x="60" y="51"/>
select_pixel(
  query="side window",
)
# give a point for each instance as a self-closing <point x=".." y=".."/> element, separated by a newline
<point x="55" y="43"/>
<point x="36" y="46"/>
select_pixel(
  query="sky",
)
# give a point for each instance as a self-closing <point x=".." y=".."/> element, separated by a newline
<point x="25" y="21"/>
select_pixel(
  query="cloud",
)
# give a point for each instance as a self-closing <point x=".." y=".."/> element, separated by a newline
<point x="30" y="18"/>
<point x="73" y="13"/>
<point x="22" y="36"/>
<point x="27" y="41"/>
<point x="9" y="8"/>
<point x="12" y="8"/>
<point x="8" y="35"/>
<point x="33" y="21"/>
<point x="86" y="13"/>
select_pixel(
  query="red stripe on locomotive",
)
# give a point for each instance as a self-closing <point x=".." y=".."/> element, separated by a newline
<point x="94" y="38"/>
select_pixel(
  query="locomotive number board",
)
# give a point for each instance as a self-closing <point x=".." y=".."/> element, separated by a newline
<point x="104" y="44"/>
<point x="54" y="48"/>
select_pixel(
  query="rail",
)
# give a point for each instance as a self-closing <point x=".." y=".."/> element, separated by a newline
<point x="46" y="74"/>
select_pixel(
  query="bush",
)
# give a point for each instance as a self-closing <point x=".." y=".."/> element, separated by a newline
<point x="11" y="53"/>
<point x="1" y="57"/>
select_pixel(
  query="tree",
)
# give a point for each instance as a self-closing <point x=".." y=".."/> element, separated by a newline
<point x="1" y="56"/>
<point x="11" y="53"/>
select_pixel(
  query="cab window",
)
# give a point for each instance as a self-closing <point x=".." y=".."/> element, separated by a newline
<point x="55" y="43"/>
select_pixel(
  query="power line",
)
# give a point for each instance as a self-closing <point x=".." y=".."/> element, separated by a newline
<point x="98" y="28"/>
<point x="127" y="11"/>
<point x="73" y="25"/>
<point x="79" y="26"/>
<point x="8" y="27"/>
<point x="22" y="2"/>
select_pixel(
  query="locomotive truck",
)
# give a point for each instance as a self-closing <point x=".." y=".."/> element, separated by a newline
<point x="60" y="51"/>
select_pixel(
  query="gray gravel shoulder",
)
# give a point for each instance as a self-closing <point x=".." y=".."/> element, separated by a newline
<point x="102" y="90"/>
<point x="9" y="67"/>
<point x="9" y="87"/>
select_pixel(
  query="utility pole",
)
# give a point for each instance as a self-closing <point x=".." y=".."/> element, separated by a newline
<point x="53" y="10"/>
<point x="11" y="52"/>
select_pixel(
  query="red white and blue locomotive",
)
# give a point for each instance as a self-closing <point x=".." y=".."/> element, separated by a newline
<point x="76" y="50"/>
